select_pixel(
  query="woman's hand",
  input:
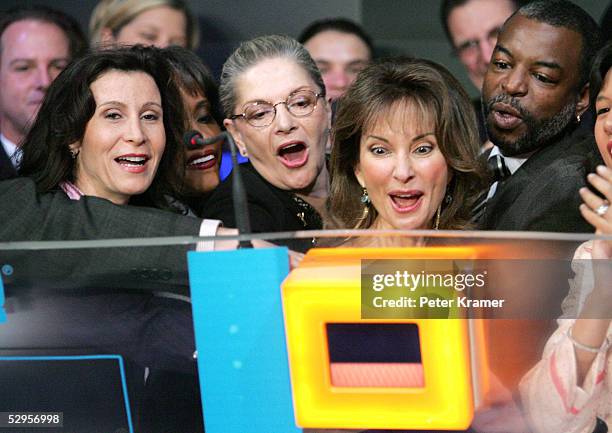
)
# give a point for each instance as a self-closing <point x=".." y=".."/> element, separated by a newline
<point x="294" y="257"/>
<point x="591" y="327"/>
<point x="597" y="212"/>
<point x="593" y="207"/>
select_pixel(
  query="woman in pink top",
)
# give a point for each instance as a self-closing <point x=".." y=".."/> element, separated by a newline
<point x="570" y="389"/>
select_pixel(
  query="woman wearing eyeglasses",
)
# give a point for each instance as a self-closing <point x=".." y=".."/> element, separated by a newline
<point x="273" y="97"/>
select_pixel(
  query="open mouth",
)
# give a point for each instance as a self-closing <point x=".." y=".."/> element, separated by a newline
<point x="133" y="163"/>
<point x="406" y="202"/>
<point x="506" y="117"/>
<point x="294" y="154"/>
<point x="202" y="162"/>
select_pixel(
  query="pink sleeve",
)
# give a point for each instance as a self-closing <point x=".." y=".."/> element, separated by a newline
<point x="551" y="398"/>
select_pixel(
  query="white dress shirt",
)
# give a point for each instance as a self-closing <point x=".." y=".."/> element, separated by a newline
<point x="11" y="150"/>
<point x="512" y="163"/>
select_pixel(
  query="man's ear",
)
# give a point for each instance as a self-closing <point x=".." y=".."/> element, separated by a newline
<point x="237" y="135"/>
<point x="583" y="100"/>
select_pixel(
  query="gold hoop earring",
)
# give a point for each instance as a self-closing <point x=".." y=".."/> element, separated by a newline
<point x="437" y="223"/>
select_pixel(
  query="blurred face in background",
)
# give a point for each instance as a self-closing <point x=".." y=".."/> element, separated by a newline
<point x="402" y="168"/>
<point x="124" y="140"/>
<point x="160" y="26"/>
<point x="290" y="151"/>
<point x="202" y="169"/>
<point x="474" y="27"/>
<point x="340" y="57"/>
<point x="33" y="54"/>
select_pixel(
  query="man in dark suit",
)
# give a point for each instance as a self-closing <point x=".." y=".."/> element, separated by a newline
<point x="534" y="94"/>
<point x="36" y="43"/>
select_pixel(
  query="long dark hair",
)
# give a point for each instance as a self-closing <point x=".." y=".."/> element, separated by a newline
<point x="69" y="105"/>
<point x="438" y="96"/>
<point x="601" y="65"/>
<point x="193" y="77"/>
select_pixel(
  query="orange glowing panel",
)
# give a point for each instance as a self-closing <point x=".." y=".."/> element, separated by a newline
<point x="352" y="373"/>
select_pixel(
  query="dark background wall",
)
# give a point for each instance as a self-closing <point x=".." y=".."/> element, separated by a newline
<point x="397" y="26"/>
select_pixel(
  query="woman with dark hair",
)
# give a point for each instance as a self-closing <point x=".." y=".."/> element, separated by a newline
<point x="570" y="389"/>
<point x="118" y="137"/>
<point x="405" y="150"/>
<point x="200" y="96"/>
<point x="115" y="135"/>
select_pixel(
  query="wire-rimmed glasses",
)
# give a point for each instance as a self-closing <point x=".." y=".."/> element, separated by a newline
<point x="259" y="114"/>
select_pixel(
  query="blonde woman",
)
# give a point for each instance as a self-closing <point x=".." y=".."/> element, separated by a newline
<point x="148" y="22"/>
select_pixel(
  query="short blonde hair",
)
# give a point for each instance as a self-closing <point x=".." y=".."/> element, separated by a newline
<point x="115" y="14"/>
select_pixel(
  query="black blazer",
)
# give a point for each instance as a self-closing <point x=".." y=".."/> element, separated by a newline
<point x="542" y="195"/>
<point x="7" y="170"/>
<point x="271" y="209"/>
<point x="28" y="216"/>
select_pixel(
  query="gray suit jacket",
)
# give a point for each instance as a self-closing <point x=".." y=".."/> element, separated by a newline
<point x="542" y="195"/>
<point x="28" y="216"/>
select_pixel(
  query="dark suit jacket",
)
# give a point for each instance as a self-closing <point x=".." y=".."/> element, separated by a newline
<point x="28" y="216"/>
<point x="542" y="195"/>
<point x="7" y="171"/>
<point x="270" y="209"/>
<point x="96" y="301"/>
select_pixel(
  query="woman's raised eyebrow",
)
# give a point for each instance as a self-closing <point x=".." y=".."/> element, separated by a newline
<point x="123" y="104"/>
<point x="418" y="137"/>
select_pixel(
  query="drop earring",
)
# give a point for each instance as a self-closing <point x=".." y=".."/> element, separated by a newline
<point x="365" y="198"/>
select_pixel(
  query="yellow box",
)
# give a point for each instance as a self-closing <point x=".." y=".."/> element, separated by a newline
<point x="325" y="289"/>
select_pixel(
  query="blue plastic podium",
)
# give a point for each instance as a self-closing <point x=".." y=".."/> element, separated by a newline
<point x="240" y="340"/>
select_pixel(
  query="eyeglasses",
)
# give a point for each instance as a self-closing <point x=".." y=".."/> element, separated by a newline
<point x="470" y="49"/>
<point x="262" y="113"/>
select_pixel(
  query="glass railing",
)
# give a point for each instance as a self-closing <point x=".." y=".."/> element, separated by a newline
<point x="413" y="331"/>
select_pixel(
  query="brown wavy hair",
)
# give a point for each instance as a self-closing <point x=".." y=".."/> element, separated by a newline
<point x="438" y="96"/>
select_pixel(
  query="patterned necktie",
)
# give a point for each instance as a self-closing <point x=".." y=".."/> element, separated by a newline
<point x="499" y="172"/>
<point x="497" y="167"/>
